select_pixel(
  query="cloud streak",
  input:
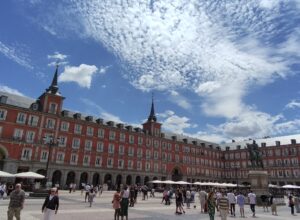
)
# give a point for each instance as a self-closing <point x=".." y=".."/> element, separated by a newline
<point x="220" y="50"/>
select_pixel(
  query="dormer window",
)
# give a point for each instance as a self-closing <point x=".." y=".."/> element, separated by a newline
<point x="3" y="114"/>
<point x="21" y="118"/>
<point x="52" y="108"/>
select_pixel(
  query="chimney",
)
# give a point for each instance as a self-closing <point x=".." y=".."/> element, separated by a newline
<point x="110" y="123"/>
<point x="293" y="141"/>
<point x="185" y="140"/>
<point x="120" y="125"/>
<point x="202" y="144"/>
<point x="137" y="130"/>
<point x="227" y="148"/>
<point x="162" y="135"/>
<point x="277" y="143"/>
<point x="174" y="138"/>
<point x="129" y="128"/>
<point x="263" y="144"/>
<point x="194" y="142"/>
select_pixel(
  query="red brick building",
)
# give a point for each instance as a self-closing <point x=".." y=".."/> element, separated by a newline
<point x="85" y="149"/>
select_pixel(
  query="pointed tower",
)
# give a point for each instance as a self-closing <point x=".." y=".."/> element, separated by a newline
<point x="152" y="127"/>
<point x="51" y="100"/>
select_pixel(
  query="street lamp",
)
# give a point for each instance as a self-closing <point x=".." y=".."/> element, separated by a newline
<point x="236" y="167"/>
<point x="51" y="142"/>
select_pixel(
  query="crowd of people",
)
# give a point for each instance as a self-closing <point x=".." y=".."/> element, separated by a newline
<point x="211" y="201"/>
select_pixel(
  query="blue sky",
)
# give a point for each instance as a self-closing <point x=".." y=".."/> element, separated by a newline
<point x="219" y="70"/>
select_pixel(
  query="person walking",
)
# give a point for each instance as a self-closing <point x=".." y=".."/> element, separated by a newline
<point x="292" y="204"/>
<point x="202" y="198"/>
<point x="252" y="202"/>
<point x="51" y="204"/>
<point x="264" y="201"/>
<point x="240" y="199"/>
<point x="92" y="195"/>
<point x="116" y="204"/>
<point x="273" y="204"/>
<point x="223" y="206"/>
<point x="124" y="203"/>
<point x="296" y="201"/>
<point x="211" y="203"/>
<point x="188" y="198"/>
<point x="16" y="203"/>
<point x="232" y="201"/>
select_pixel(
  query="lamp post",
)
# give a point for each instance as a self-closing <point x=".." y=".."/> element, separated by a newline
<point x="236" y="167"/>
<point x="51" y="142"/>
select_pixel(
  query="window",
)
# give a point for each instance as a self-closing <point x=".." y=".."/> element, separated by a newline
<point x="50" y="123"/>
<point x="148" y="154"/>
<point x="30" y="136"/>
<point x="139" y="165"/>
<point x="90" y="131"/>
<point x="177" y="158"/>
<point x="2" y="114"/>
<point x="130" y="151"/>
<point x="100" y="146"/>
<point x="44" y="156"/>
<point x="164" y="168"/>
<point x="76" y="143"/>
<point x="18" y="134"/>
<point x="100" y="133"/>
<point x="147" y="166"/>
<point x="112" y="135"/>
<point x="121" y="150"/>
<point x="33" y="120"/>
<point x="74" y="159"/>
<point x="26" y="154"/>
<point x="64" y="126"/>
<point x="156" y="155"/>
<point x="122" y="137"/>
<point x="130" y="164"/>
<point x="52" y="108"/>
<point x="169" y="146"/>
<point x="164" y="145"/>
<point x="77" y="129"/>
<point x="131" y="139"/>
<point x="155" y="167"/>
<point x="21" y="118"/>
<point x="62" y="141"/>
<point x="140" y="153"/>
<point x="170" y="157"/>
<point x="88" y="145"/>
<point x="111" y="148"/>
<point x="86" y="160"/>
<point x="1" y="131"/>
<point x="110" y="162"/>
<point x="98" y="161"/>
<point x="60" y="157"/>
<point x="120" y="164"/>
<point x="156" y="144"/>
<point x="176" y="147"/>
<point x="140" y="141"/>
<point x="148" y="142"/>
<point x="186" y="149"/>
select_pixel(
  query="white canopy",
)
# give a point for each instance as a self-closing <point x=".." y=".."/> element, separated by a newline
<point x="30" y="175"/>
<point x="5" y="174"/>
<point x="156" y="181"/>
<point x="182" y="183"/>
<point x="273" y="186"/>
<point x="290" y="187"/>
<point x="168" y="182"/>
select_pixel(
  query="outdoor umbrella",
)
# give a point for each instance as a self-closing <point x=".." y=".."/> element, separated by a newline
<point x="156" y="181"/>
<point x="182" y="183"/>
<point x="168" y="182"/>
<point x="290" y="187"/>
<point x="5" y="174"/>
<point x="29" y="175"/>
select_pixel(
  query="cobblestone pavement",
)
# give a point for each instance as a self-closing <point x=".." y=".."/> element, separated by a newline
<point x="73" y="207"/>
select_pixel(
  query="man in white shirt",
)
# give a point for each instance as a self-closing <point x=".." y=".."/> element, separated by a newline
<point x="202" y="198"/>
<point x="252" y="202"/>
<point x="87" y="190"/>
<point x="232" y="201"/>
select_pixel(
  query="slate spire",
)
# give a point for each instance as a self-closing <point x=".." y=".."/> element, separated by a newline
<point x="152" y="117"/>
<point x="53" y="88"/>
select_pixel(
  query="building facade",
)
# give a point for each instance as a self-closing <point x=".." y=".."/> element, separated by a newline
<point x="82" y="149"/>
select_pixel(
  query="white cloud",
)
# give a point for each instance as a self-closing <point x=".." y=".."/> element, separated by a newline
<point x="82" y="74"/>
<point x="180" y="100"/>
<point x="58" y="56"/>
<point x="174" y="123"/>
<point x="218" y="49"/>
<point x="110" y="117"/>
<point x="59" y="63"/>
<point x="104" y="69"/>
<point x="15" y="54"/>
<point x="7" y="89"/>
<point x="293" y="104"/>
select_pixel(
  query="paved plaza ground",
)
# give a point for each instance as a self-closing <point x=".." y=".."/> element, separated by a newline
<point x="72" y="207"/>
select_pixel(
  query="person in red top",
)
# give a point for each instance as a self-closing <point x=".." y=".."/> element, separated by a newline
<point x="116" y="204"/>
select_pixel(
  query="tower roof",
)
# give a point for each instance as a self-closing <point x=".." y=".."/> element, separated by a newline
<point x="53" y="88"/>
<point x="152" y="117"/>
